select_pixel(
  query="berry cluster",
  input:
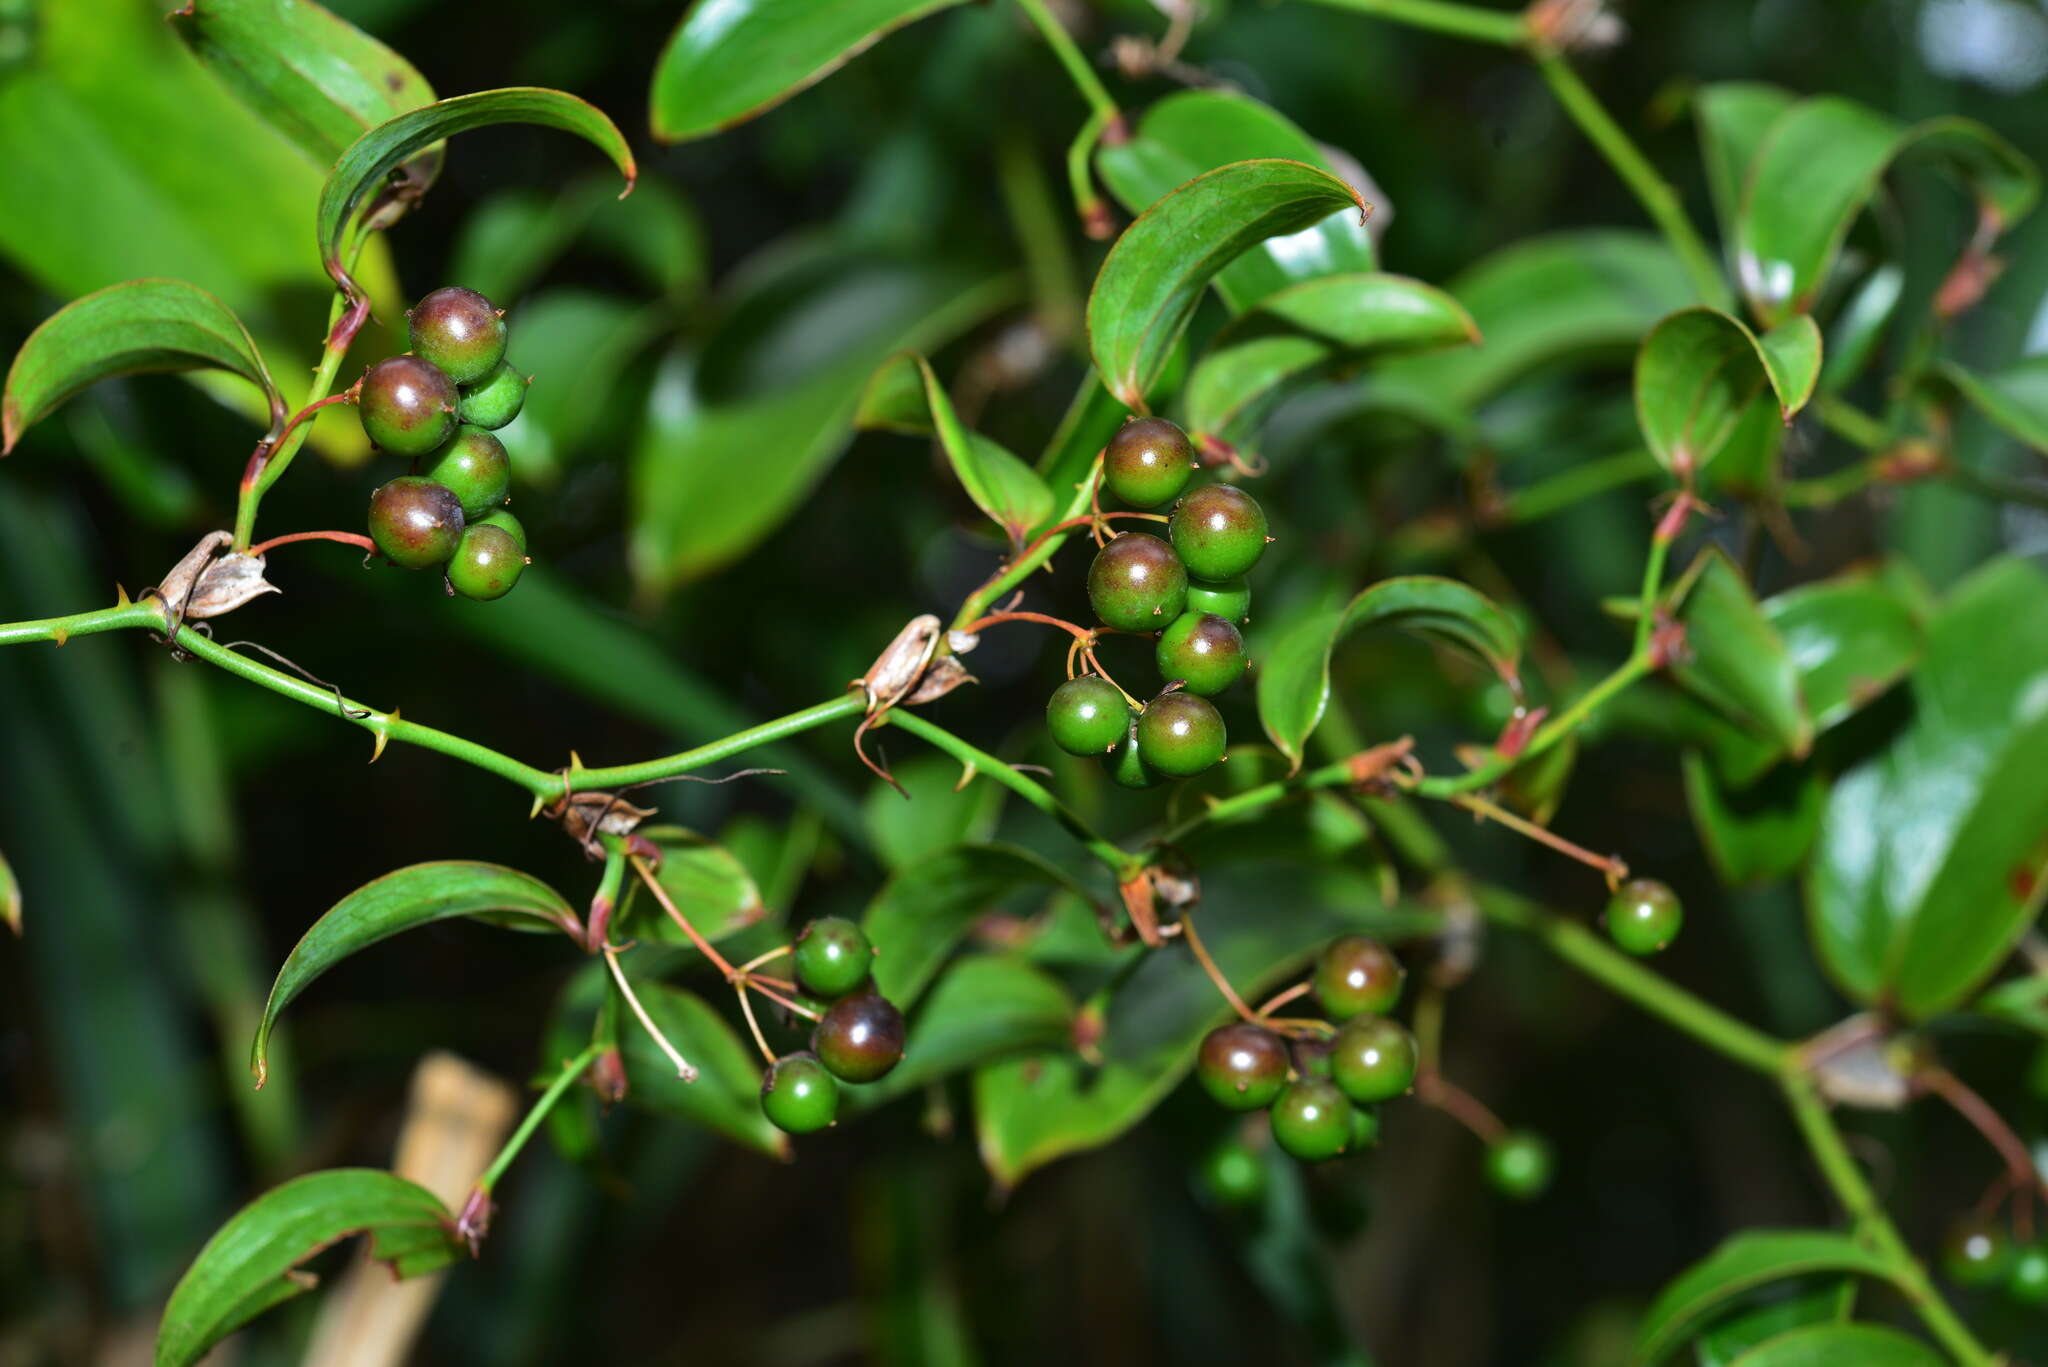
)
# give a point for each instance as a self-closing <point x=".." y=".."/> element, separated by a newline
<point x="440" y="404"/>
<point x="859" y="1038"/>
<point x="1977" y="1254"/>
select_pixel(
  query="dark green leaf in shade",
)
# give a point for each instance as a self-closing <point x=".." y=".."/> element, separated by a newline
<point x="1777" y="1310"/>
<point x="511" y="239"/>
<point x="1836" y="1345"/>
<point x="1001" y="485"/>
<point x="983" y="1007"/>
<point x="1737" y="1268"/>
<point x="707" y="884"/>
<point x="939" y="814"/>
<point x="1859" y="326"/>
<point x="926" y="908"/>
<point x="1735" y="658"/>
<point x="726" y="1095"/>
<point x="2015" y="398"/>
<point x="1759" y="833"/>
<point x="1734" y="117"/>
<point x="1699" y="373"/>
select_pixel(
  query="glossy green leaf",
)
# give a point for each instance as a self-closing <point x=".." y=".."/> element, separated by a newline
<point x="1700" y="370"/>
<point x="1734" y="118"/>
<point x="401" y="901"/>
<point x="1835" y="1345"/>
<point x="981" y="1008"/>
<point x="2015" y="398"/>
<point x="726" y="1096"/>
<point x="510" y="240"/>
<point x="1294" y="677"/>
<point x="1739" y="1266"/>
<point x="2021" y="1001"/>
<point x="1735" y="658"/>
<point x="1859" y="327"/>
<point x="928" y="907"/>
<point x="1000" y="484"/>
<point x="707" y="884"/>
<point x="1154" y="275"/>
<point x="251" y="1263"/>
<point x="1932" y="853"/>
<point x="940" y="812"/>
<point x="143" y="325"/>
<point x="10" y="896"/>
<point x="1760" y="833"/>
<point x="1812" y="1300"/>
<point x="1849" y="640"/>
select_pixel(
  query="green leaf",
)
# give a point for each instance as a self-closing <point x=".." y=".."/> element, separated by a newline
<point x="1154" y="275"/>
<point x="1833" y="1345"/>
<point x="10" y="896"/>
<point x="939" y="814"/>
<point x="730" y="60"/>
<point x="1294" y="678"/>
<point x="512" y="238"/>
<point x="726" y="1096"/>
<point x="927" y="908"/>
<point x="2015" y="398"/>
<point x="1932" y="856"/>
<point x="1739" y="1266"/>
<point x="1760" y="833"/>
<point x="1859" y="327"/>
<point x="248" y="1265"/>
<point x="982" y="1007"/>
<point x="401" y="901"/>
<point x="1812" y="1300"/>
<point x="2022" y="1002"/>
<point x="707" y="884"/>
<point x="1817" y="168"/>
<point x="1734" y="118"/>
<point x="1700" y="370"/>
<point x="1000" y="484"/>
<point x="578" y="346"/>
<point x="1849" y="639"/>
<point x="1735" y="659"/>
<point x="142" y="325"/>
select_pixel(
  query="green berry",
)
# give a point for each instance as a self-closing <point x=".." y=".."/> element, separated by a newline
<point x="1231" y="600"/>
<point x="1233" y="1175"/>
<point x="407" y="406"/>
<point x="1312" y="1120"/>
<point x="506" y="523"/>
<point x="1202" y="652"/>
<point x="494" y="400"/>
<point x="832" y="957"/>
<point x="458" y="330"/>
<point x="1241" y="1066"/>
<point x="1087" y="716"/>
<point x="1219" y="531"/>
<point x="1976" y="1253"/>
<point x="1518" y="1165"/>
<point x="1312" y="1056"/>
<point x="1365" y="1128"/>
<point x="798" y="1095"/>
<point x="1356" y="974"/>
<point x="1643" y="916"/>
<point x="1148" y="462"/>
<point x="1137" y="583"/>
<point x="1372" y="1060"/>
<point x="415" y="522"/>
<point x="2027" y="1282"/>
<point x="860" y="1038"/>
<point x="473" y="466"/>
<point x="1126" y="764"/>
<point x="1180" y="735"/>
<point x="487" y="564"/>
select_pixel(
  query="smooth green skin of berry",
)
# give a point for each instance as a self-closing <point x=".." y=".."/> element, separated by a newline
<point x="1365" y="1128"/>
<point x="487" y="564"/>
<point x="1180" y="735"/>
<point x="1126" y="765"/>
<point x="1231" y="600"/>
<point x="1242" y="1067"/>
<point x="494" y="400"/>
<point x="505" y="523"/>
<point x="1518" y="1165"/>
<point x="1312" y="1120"/>
<point x="1356" y="974"/>
<point x="2027" y="1282"/>
<point x="832" y="957"/>
<point x="407" y="406"/>
<point x="860" y="1038"/>
<point x="1148" y="462"/>
<point x="415" y="522"/>
<point x="1137" y="583"/>
<point x="1202" y="652"/>
<point x="1233" y="1175"/>
<point x="1644" y="916"/>
<point x="799" y="1096"/>
<point x="472" y="464"/>
<point x="1087" y="716"/>
<point x="1373" y="1060"/>
<point x="1219" y="531"/>
<point x="1976" y="1253"/>
<point x="458" y="330"/>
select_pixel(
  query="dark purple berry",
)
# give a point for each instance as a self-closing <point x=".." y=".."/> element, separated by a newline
<point x="415" y="522"/>
<point x="1356" y="974"/>
<point x="1241" y="1066"/>
<point x="860" y="1038"/>
<point x="407" y="406"/>
<point x="458" y="330"/>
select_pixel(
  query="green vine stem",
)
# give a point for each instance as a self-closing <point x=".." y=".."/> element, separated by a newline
<point x="571" y="1070"/>
<point x="976" y="605"/>
<point x="1078" y="71"/>
<point x="1458" y="21"/>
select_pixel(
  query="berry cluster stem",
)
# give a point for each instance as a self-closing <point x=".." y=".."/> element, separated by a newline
<point x="675" y="913"/>
<point x="571" y="1070"/>
<point x="683" y="1068"/>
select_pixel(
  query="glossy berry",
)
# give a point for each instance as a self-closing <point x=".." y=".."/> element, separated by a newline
<point x="1372" y="1060"/>
<point x="1356" y="974"/>
<point x="1312" y="1120"/>
<point x="1219" y="531"/>
<point x="1643" y="916"/>
<point x="798" y="1096"/>
<point x="415" y="522"/>
<point x="2027" y="1282"/>
<point x="1312" y="1057"/>
<point x="494" y="400"/>
<point x="487" y="564"/>
<point x="1518" y="1165"/>
<point x="1976" y="1253"/>
<point x="1202" y="652"/>
<point x="504" y="522"/>
<point x="1365" y="1128"/>
<point x="1137" y="583"/>
<point x="860" y="1038"/>
<point x="472" y="465"/>
<point x="1241" y="1066"/>
<point x="1180" y="735"/>
<point x="1126" y="764"/>
<point x="832" y="957"/>
<point x="1231" y="600"/>
<point x="407" y="406"/>
<point x="1087" y="716"/>
<point x="458" y="330"/>
<point x="1148" y="462"/>
<point x="1233" y="1176"/>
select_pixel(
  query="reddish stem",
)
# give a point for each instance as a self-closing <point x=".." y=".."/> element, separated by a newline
<point x="345" y="538"/>
<point x="1454" y="1101"/>
<point x="1989" y="1123"/>
<point x="717" y="960"/>
<point x="1079" y="633"/>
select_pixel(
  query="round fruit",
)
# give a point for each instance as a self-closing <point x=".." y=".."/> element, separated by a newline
<point x="1975" y="1254"/>
<point x="1126" y="764"/>
<point x="2027" y="1283"/>
<point x="1180" y="735"/>
<point x="504" y="522"/>
<point x="832" y="957"/>
<point x="1365" y="1128"/>
<point x="860" y="1038"/>
<point x="1242" y="1067"/>
<point x="1231" y="600"/>
<point x="1356" y="974"/>
<point x="473" y="466"/>
<point x="1148" y="462"/>
<point x="1643" y="916"/>
<point x="407" y="406"/>
<point x="494" y="400"/>
<point x="1087" y="716"/>
<point x="487" y="564"/>
<point x="1312" y="1120"/>
<point x="458" y="330"/>
<point x="1219" y="531"/>
<point x="1518" y="1165"/>
<point x="1233" y="1176"/>
<point x="1373" y="1060"/>
<point x="1137" y="583"/>
<point x="798" y="1096"/>
<point x="415" y="522"/>
<point x="1202" y="652"/>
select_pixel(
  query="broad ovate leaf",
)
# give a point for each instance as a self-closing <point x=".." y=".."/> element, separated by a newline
<point x="704" y="880"/>
<point x="1735" y="659"/>
<point x="1759" y="833"/>
<point x="1734" y="117"/>
<point x="726" y="1094"/>
<point x="2015" y="398"/>
<point x="1001" y="485"/>
<point x="928" y="907"/>
<point x="1741" y="1265"/>
<point x="1700" y="372"/>
<point x="1835" y="1345"/>
<point x="1849" y="639"/>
